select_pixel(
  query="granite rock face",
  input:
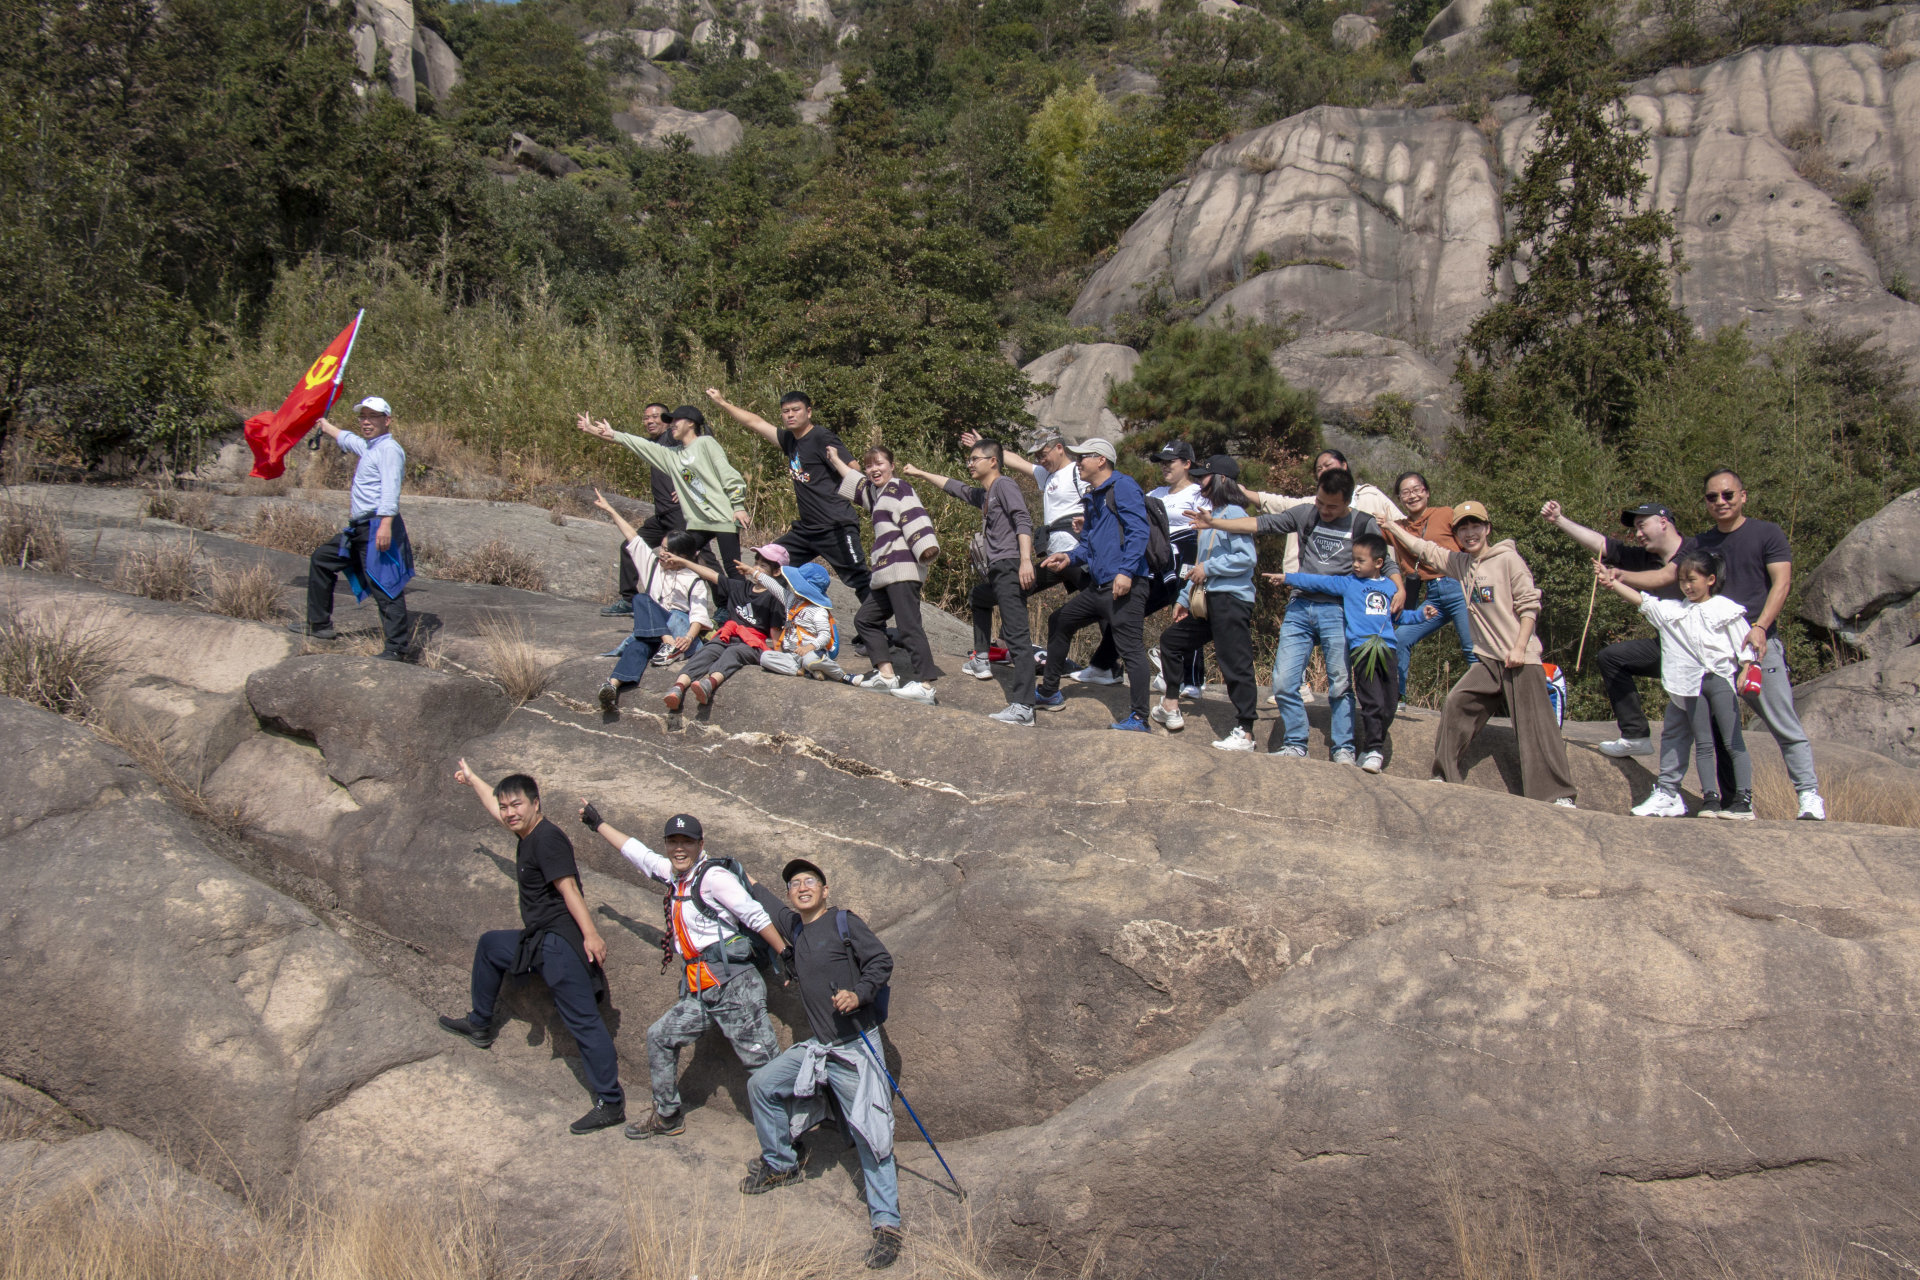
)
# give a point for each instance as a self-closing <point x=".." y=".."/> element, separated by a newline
<point x="1082" y="375"/>
<point x="711" y="133"/>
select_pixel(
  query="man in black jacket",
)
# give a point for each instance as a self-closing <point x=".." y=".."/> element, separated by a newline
<point x="842" y="969"/>
<point x="558" y="939"/>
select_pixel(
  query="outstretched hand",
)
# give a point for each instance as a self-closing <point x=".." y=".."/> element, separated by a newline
<point x="461" y="775"/>
<point x="601" y="428"/>
<point x="969" y="438"/>
<point x="713" y="394"/>
<point x="1550" y="510"/>
<point x="1201" y="519"/>
<point x="600" y="501"/>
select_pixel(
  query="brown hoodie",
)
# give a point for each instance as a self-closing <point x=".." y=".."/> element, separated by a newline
<point x="1500" y="592"/>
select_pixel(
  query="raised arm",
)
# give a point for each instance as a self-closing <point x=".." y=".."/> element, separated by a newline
<point x="673" y="561"/>
<point x="841" y="468"/>
<point x="1592" y="540"/>
<point x="480" y="789"/>
<point x="938" y="482"/>
<point x="1239" y="524"/>
<point x="1614" y="580"/>
<point x="746" y="418"/>
<point x="627" y="532"/>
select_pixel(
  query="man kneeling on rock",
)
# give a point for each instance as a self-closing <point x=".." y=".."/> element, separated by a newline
<point x="709" y="914"/>
<point x="843" y="971"/>
<point x="558" y="939"/>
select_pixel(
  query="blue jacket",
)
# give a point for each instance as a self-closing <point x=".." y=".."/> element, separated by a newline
<point x="1229" y="558"/>
<point x="390" y="570"/>
<point x="1111" y="546"/>
<point x="1368" y="601"/>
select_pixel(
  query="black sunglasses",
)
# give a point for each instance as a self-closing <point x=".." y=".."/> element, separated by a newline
<point x="1725" y="495"/>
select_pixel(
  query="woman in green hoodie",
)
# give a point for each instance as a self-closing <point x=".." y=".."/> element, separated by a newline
<point x="712" y="493"/>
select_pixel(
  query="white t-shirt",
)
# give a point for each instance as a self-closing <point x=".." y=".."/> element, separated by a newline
<point x="1059" y="498"/>
<point x="1181" y="506"/>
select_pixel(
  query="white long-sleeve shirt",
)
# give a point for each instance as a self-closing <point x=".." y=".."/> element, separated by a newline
<point x="376" y="477"/>
<point x="719" y="888"/>
<point x="1696" y="639"/>
<point x="681" y="589"/>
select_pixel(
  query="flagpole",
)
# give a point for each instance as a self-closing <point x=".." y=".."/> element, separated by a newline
<point x="340" y="374"/>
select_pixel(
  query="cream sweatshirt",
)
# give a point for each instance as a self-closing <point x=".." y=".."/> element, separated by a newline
<point x="1500" y="592"/>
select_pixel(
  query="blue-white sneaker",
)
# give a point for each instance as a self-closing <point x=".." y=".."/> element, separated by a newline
<point x="1095" y="675"/>
<point x="1132" y="724"/>
<point x="1049" y="701"/>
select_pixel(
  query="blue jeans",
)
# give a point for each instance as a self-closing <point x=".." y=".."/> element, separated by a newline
<point x="638" y="650"/>
<point x="1445" y="595"/>
<point x="770" y="1090"/>
<point x="1311" y="622"/>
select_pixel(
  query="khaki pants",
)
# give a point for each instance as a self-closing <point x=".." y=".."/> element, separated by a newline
<point x="1543" y="754"/>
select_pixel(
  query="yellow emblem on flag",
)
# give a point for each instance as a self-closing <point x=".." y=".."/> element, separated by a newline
<point x="321" y="370"/>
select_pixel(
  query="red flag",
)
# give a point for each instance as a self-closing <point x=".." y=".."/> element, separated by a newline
<point x="271" y="435"/>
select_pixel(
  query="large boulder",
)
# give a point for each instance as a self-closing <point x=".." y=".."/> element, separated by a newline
<point x="1873" y="704"/>
<point x="1349" y="372"/>
<point x="1082" y="375"/>
<point x="1354" y="31"/>
<point x="710" y="133"/>
<point x="724" y="37"/>
<point x="1867" y="590"/>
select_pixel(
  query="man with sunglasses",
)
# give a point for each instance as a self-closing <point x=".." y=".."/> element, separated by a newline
<point x="1759" y="574"/>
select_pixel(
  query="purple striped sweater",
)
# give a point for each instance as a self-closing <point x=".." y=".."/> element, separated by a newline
<point x="902" y="529"/>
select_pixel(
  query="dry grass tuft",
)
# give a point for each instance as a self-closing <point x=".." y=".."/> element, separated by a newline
<point x="1511" y="1240"/>
<point x="515" y="664"/>
<point x="162" y="571"/>
<point x="251" y="593"/>
<point x="290" y="526"/>
<point x="1851" y="796"/>
<point x="493" y="563"/>
<point x="190" y="507"/>
<point x="133" y="734"/>
<point x="53" y="664"/>
<point x="30" y="535"/>
<point x="256" y="487"/>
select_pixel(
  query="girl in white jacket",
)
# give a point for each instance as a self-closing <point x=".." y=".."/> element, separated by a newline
<point x="1702" y="647"/>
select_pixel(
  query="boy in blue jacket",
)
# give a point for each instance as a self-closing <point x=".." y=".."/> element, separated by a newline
<point x="1370" y="603"/>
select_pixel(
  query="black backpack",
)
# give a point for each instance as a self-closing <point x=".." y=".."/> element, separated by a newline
<point x="1160" y="557"/>
<point x="764" y="957"/>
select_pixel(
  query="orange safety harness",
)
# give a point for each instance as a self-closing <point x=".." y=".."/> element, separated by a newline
<point x="699" y="976"/>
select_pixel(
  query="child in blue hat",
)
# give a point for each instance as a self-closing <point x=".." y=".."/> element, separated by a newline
<point x="809" y="641"/>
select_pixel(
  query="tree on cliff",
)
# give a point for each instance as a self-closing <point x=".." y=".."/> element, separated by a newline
<point x="1590" y="319"/>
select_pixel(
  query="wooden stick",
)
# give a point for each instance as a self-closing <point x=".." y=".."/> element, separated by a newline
<point x="1591" y="597"/>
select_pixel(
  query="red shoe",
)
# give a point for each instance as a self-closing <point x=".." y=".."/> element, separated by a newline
<point x="673" y="696"/>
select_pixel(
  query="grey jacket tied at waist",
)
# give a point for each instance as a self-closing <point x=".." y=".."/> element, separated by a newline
<point x="872" y="1111"/>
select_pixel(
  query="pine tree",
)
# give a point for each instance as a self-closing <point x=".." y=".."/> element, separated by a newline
<point x="1591" y="317"/>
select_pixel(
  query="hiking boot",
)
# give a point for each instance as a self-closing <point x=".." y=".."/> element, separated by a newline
<point x="763" y="1178"/>
<point x="1741" y="807"/>
<point x="1292" y="752"/>
<point x="604" y="1116"/>
<point x="1173" y="720"/>
<point x="703" y="688"/>
<point x="915" y="691"/>
<point x="1812" y="807"/>
<point x="658" y="1126"/>
<point x="674" y="697"/>
<point x="1191" y="691"/>
<point x="1343" y="756"/>
<point x="324" y="631"/>
<point x="480" y="1033"/>
<point x="1710" y="806"/>
<point x="1373" y="762"/>
<point x="1132" y="724"/>
<point x="1095" y="675"/>
<point x="618" y="609"/>
<point x="1661" y="804"/>
<point x="610" y="695"/>
<point x="877" y="682"/>
<point x="885" y="1249"/>
<point x="1238" y="740"/>
<point x="1016" y="713"/>
<point x="1049" y="701"/>
<point x="1618" y="747"/>
<point x="978" y="667"/>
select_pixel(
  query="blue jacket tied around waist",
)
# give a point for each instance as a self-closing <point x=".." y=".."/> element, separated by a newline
<point x="390" y="570"/>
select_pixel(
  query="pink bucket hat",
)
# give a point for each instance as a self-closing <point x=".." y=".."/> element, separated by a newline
<point x="774" y="553"/>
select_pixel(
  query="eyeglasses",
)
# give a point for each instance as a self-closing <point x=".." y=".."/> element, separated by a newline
<point x="1725" y="495"/>
<point x="1406" y="489"/>
<point x="804" y="882"/>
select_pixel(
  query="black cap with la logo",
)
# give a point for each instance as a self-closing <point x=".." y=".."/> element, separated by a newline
<point x="684" y="824"/>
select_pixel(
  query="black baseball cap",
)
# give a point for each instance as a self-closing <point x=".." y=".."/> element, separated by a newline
<point x="692" y="415"/>
<point x="1631" y="514"/>
<point x="1174" y="449"/>
<point x="1219" y="464"/>
<point x="685" y="824"/>
<point x="798" y="865"/>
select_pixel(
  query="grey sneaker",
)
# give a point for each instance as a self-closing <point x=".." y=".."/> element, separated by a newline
<point x="1095" y="675"/>
<point x="1016" y="713"/>
<point x="877" y="682"/>
<point x="1343" y="756"/>
<point x="1173" y="720"/>
<point x="979" y="668"/>
<point x="1373" y="762"/>
<point x="1292" y="752"/>
<point x="1621" y="747"/>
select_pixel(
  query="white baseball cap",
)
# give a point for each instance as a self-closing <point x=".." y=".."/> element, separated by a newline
<point x="376" y="404"/>
<point x="1095" y="445"/>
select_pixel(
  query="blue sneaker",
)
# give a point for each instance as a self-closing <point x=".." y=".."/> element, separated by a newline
<point x="1048" y="701"/>
<point x="1133" y="724"/>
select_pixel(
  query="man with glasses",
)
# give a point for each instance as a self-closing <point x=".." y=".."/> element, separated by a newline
<point x="1758" y="574"/>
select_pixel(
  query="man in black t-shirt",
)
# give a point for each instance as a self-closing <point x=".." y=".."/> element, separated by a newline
<point x="667" y="518"/>
<point x="557" y="939"/>
<point x="1757" y="573"/>
<point x="828" y="527"/>
<point x="1647" y="566"/>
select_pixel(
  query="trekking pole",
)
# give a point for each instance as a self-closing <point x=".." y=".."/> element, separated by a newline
<point x="909" y="1106"/>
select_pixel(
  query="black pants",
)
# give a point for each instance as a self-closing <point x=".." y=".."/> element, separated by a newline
<point x="1229" y="627"/>
<point x="901" y="602"/>
<point x="1002" y="591"/>
<point x="839" y="546"/>
<point x="1124" y="619"/>
<point x="1619" y="664"/>
<point x="323" y="573"/>
<point x="572" y="988"/>
<point x="654" y="532"/>
<point x="1376" y="696"/>
<point x="725" y="545"/>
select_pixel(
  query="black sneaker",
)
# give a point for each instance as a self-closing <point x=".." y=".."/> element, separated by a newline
<point x="762" y="1179"/>
<point x="604" y="1116"/>
<point x="324" y="631"/>
<point x="1710" y="806"/>
<point x="885" y="1249"/>
<point x="1741" y="807"/>
<point x="618" y="609"/>
<point x="610" y="695"/>
<point x="659" y="1126"/>
<point x="481" y="1033"/>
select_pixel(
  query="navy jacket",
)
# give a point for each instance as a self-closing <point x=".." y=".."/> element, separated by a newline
<point x="1110" y="546"/>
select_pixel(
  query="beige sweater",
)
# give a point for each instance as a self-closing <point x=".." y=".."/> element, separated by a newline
<point x="1500" y="592"/>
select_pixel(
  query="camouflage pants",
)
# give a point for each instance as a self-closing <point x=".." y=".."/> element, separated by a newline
<point x="737" y="1006"/>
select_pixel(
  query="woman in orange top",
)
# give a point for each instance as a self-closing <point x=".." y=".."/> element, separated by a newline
<point x="1445" y="602"/>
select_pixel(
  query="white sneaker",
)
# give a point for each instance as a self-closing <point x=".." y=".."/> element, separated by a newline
<point x="1306" y="693"/>
<point x="875" y="680"/>
<point x="1153" y="656"/>
<point x="914" y="691"/>
<point x="1812" y="807"/>
<point x="1565" y="802"/>
<point x="1095" y="675"/>
<point x="1174" y="721"/>
<point x="1238" y="740"/>
<point x="1627" y="747"/>
<point x="979" y="668"/>
<point x="1191" y="691"/>
<point x="1661" y="804"/>
<point x="1373" y="762"/>
<point x="1293" y="752"/>
<point x="1343" y="756"/>
<point x="1016" y="713"/>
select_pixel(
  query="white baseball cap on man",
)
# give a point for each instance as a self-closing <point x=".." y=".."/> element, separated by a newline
<point x="1095" y="445"/>
<point x="376" y="404"/>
